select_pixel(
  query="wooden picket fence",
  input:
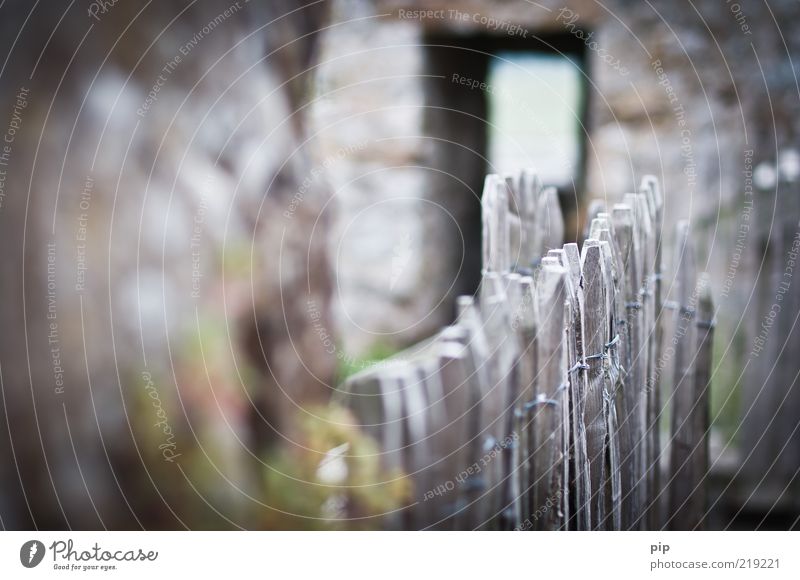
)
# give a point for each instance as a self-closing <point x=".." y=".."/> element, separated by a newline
<point x="540" y="407"/>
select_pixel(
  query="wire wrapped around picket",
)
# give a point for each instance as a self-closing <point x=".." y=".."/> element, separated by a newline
<point x="540" y="407"/>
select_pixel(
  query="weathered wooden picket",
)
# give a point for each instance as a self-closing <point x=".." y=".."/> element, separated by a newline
<point x="540" y="407"/>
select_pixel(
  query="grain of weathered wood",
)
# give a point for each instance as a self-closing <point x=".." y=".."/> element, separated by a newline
<point x="630" y="414"/>
<point x="595" y="335"/>
<point x="637" y="380"/>
<point x="546" y="408"/>
<point x="581" y="483"/>
<point x="612" y="377"/>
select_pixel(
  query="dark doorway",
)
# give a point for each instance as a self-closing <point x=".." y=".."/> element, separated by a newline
<point x="492" y="103"/>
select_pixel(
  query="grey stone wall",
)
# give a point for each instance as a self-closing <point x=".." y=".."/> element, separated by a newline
<point x="157" y="339"/>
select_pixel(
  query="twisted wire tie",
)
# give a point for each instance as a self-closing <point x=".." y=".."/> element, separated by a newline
<point x="578" y="366"/>
<point x="541" y="400"/>
<point x="607" y="346"/>
<point x="672" y="305"/>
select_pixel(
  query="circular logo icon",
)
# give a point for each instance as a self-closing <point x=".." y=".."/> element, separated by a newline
<point x="31" y="553"/>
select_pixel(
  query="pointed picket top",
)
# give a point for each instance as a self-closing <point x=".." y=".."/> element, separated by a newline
<point x="622" y="217"/>
<point x="632" y="201"/>
<point x="573" y="255"/>
<point x="515" y="225"/>
<point x="650" y="186"/>
<point x="550" y="221"/>
<point x="529" y="187"/>
<point x="595" y="207"/>
<point x="642" y="213"/>
<point x="608" y="272"/>
<point x="496" y="240"/>
<point x="529" y="182"/>
<point x="550" y="261"/>
<point x="595" y="336"/>
<point x="602" y="229"/>
<point x="487" y="207"/>
<point x="512" y="188"/>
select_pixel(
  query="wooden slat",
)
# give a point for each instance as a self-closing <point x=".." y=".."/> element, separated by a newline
<point x="701" y="414"/>
<point x="529" y="189"/>
<point x="547" y="408"/>
<point x="525" y="323"/>
<point x="496" y="407"/>
<point x="630" y="401"/>
<point x="595" y="207"/>
<point x="480" y="380"/>
<point x="611" y="376"/>
<point x="549" y="221"/>
<point x="495" y="225"/>
<point x="681" y="485"/>
<point x="581" y="483"/>
<point x="417" y="450"/>
<point x="651" y="396"/>
<point x="595" y="336"/>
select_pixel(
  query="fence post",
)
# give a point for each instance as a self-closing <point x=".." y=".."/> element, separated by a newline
<point x="629" y="401"/>
<point x="702" y="389"/>
<point x="460" y="421"/>
<point x="622" y="436"/>
<point x="681" y="483"/>
<point x="595" y="340"/>
<point x="496" y="239"/>
<point x="547" y="406"/>
<point x="580" y="480"/>
<point x="496" y="320"/>
<point x="524" y="322"/>
<point x="649" y="210"/>
<point x="530" y="188"/>
<point x="549" y="222"/>
<point x="482" y="402"/>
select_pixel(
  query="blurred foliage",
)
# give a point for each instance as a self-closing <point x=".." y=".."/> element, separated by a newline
<point x="330" y="477"/>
